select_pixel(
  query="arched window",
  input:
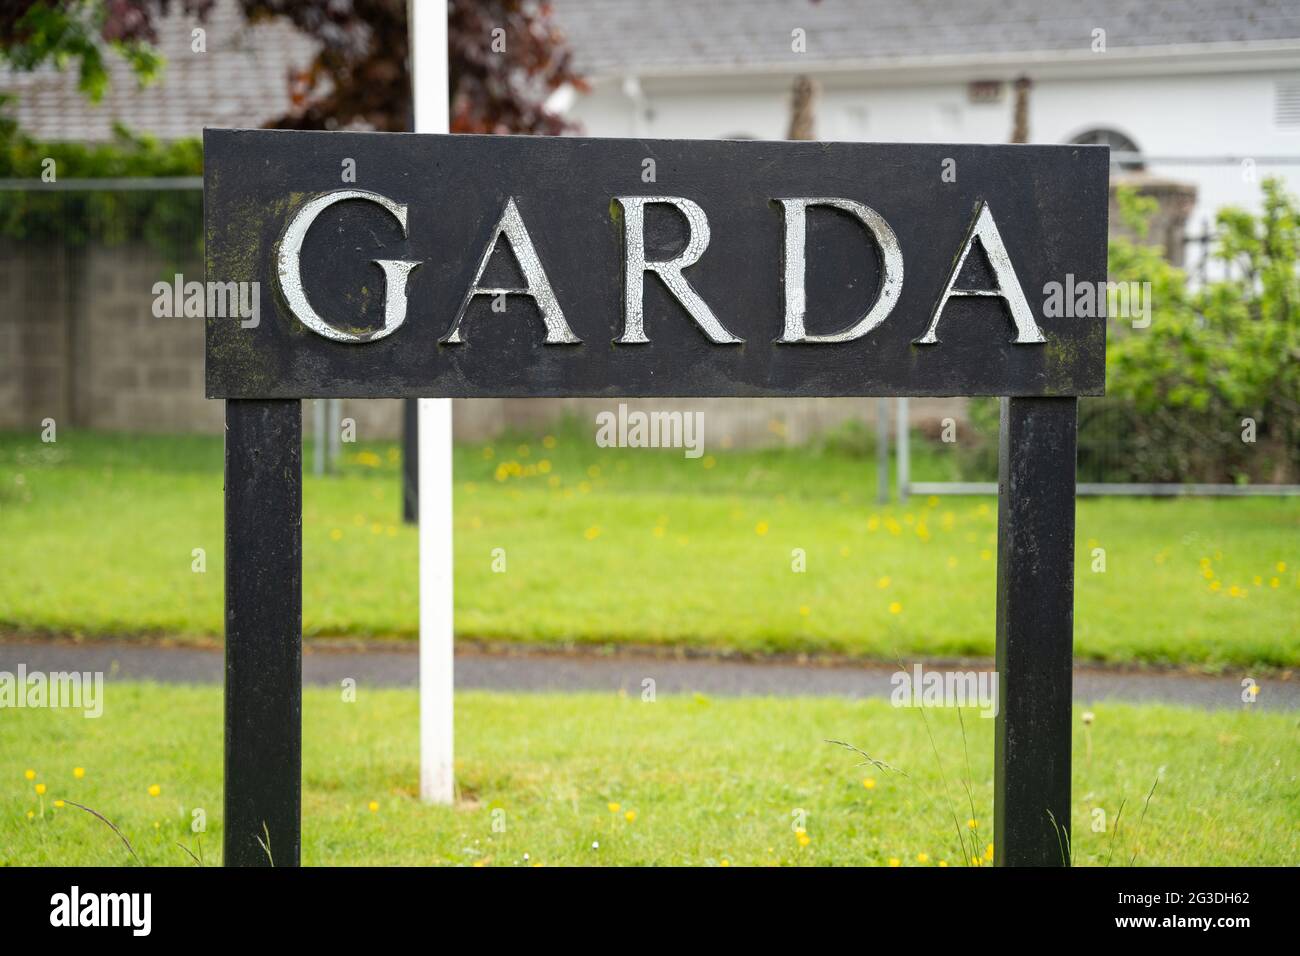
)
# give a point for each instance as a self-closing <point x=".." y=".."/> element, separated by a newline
<point x="1124" y="153"/>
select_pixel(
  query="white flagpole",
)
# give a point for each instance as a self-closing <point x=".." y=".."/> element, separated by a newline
<point x="427" y="29"/>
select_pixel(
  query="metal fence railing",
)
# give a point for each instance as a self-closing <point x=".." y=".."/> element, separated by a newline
<point x="1106" y="464"/>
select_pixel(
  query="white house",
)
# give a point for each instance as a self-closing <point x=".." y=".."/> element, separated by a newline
<point x="1206" y="92"/>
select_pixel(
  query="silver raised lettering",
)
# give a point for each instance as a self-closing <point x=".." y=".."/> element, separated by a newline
<point x="538" y="285"/>
<point x="1008" y="286"/>
<point x="289" y="268"/>
<point x="891" y="269"/>
<point x="669" y="270"/>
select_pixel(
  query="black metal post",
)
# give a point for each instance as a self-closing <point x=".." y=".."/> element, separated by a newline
<point x="1035" y="631"/>
<point x="411" y="460"/>
<point x="263" y="771"/>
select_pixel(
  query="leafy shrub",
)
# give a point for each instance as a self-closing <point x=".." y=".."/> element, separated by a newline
<point x="168" y="220"/>
<point x="1178" y="390"/>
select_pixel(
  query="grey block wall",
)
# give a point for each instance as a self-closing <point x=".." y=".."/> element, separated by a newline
<point x="79" y="343"/>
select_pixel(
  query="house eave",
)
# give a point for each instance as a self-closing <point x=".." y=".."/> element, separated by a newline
<point x="1225" y="57"/>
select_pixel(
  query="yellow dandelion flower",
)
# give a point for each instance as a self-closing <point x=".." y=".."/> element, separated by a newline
<point x="592" y="533"/>
<point x="923" y="858"/>
<point x="895" y="607"/>
<point x="336" y="535"/>
<point x="1215" y="586"/>
<point x="40" y="789"/>
<point x="760" y="528"/>
<point x="373" y="806"/>
<point x="31" y="814"/>
<point x="869" y="783"/>
<point x="895" y="861"/>
<point x="1281" y="567"/>
<point x="988" y="852"/>
<point x="29" y="774"/>
<point x="971" y="823"/>
<point x="1259" y="581"/>
<point x="985" y="554"/>
<point x="613" y="808"/>
<point x="943" y="863"/>
<point x="154" y="790"/>
<point x="659" y="531"/>
<point x="78" y="772"/>
<point x="883" y="582"/>
<point x="804" y="839"/>
<point x="1274" y="582"/>
<point x="974" y="861"/>
<point x="630" y="816"/>
<point x="725" y="862"/>
<point x="58" y="804"/>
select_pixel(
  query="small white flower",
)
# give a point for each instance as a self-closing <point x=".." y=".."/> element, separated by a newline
<point x="595" y="844"/>
<point x="1087" y="717"/>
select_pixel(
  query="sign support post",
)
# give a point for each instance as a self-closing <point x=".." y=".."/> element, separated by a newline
<point x="1035" y="631"/>
<point x="263" y="702"/>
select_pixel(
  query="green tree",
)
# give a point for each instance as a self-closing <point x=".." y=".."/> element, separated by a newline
<point x="505" y="56"/>
<point x="1214" y="355"/>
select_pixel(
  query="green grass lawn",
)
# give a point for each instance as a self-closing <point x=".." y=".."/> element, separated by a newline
<point x="544" y="778"/>
<point x="644" y="547"/>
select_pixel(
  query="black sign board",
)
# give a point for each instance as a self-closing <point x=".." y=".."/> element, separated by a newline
<point x="733" y="272"/>
<point x="398" y="265"/>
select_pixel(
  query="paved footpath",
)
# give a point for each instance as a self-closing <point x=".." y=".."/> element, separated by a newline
<point x="396" y="666"/>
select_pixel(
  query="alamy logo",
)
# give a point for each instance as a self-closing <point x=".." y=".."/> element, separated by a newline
<point x="57" y="689"/>
<point x="922" y="688"/>
<point x="626" y="429"/>
<point x="214" y="300"/>
<point x="1086" y="300"/>
<point x="133" y="910"/>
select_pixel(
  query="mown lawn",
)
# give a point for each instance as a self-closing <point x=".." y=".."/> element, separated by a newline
<point x="636" y="546"/>
<point x="560" y="779"/>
